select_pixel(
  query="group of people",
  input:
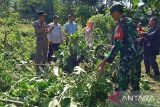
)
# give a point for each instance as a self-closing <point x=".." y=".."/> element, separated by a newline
<point x="49" y="37"/>
<point x="151" y="44"/>
<point x="133" y="43"/>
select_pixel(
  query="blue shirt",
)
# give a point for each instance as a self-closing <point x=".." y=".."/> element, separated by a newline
<point x="70" y="28"/>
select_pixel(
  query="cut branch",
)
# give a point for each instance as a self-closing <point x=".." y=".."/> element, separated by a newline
<point x="18" y="103"/>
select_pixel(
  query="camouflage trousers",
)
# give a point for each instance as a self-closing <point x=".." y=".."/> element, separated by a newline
<point x="129" y="73"/>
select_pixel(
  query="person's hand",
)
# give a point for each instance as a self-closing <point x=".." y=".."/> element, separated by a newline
<point x="102" y="65"/>
<point x="142" y="34"/>
<point x="42" y="29"/>
<point x="46" y="30"/>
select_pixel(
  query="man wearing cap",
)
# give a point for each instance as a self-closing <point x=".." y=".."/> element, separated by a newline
<point x="41" y="41"/>
<point x="125" y="42"/>
<point x="55" y="36"/>
<point x="70" y="27"/>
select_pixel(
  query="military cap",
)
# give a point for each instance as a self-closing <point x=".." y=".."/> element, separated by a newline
<point x="41" y="13"/>
<point x="116" y="7"/>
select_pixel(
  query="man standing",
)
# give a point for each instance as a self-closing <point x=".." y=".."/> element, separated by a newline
<point x="41" y="41"/>
<point x="151" y="46"/>
<point x="55" y="36"/>
<point x="125" y="38"/>
<point x="70" y="27"/>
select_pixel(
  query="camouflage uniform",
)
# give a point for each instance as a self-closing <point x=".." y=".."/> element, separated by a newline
<point x="41" y="45"/>
<point x="130" y="56"/>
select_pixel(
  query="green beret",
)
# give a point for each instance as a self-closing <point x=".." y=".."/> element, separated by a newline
<point x="116" y="7"/>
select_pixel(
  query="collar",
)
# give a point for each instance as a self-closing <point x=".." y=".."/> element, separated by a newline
<point x="55" y="24"/>
<point x="71" y="22"/>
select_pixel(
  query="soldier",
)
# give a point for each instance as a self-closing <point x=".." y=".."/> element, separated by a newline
<point x="125" y="41"/>
<point x="41" y="41"/>
<point x="151" y="46"/>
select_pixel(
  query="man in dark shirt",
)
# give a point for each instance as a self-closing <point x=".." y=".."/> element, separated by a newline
<point x="151" y="46"/>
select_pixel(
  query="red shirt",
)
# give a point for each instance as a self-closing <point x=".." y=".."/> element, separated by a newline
<point x="118" y="35"/>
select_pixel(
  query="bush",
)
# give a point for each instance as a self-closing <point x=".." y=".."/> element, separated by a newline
<point x="104" y="26"/>
<point x="84" y="13"/>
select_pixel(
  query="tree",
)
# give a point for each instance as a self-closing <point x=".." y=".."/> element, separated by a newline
<point x="29" y="8"/>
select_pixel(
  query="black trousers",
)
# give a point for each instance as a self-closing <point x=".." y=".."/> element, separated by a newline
<point x="52" y="48"/>
<point x="150" y="61"/>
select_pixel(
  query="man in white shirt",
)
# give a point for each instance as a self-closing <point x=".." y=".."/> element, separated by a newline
<point x="70" y="27"/>
<point x="55" y="36"/>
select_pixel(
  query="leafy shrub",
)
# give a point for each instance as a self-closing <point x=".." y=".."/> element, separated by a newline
<point x="104" y="23"/>
<point x="83" y="12"/>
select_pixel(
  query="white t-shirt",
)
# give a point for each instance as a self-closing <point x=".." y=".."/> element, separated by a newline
<point x="55" y="35"/>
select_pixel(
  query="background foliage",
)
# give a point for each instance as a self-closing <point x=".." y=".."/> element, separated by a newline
<point x="85" y="86"/>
